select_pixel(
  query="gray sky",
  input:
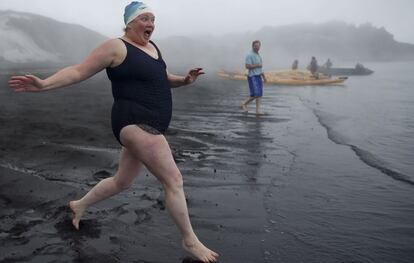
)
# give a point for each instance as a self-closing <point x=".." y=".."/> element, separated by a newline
<point x="189" y="17"/>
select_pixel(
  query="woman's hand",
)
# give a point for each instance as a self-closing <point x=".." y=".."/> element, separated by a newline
<point x="27" y="83"/>
<point x="193" y="75"/>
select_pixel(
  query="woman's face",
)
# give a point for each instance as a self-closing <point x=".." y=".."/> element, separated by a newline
<point x="143" y="26"/>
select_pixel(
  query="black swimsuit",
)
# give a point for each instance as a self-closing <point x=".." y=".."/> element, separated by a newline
<point x="141" y="91"/>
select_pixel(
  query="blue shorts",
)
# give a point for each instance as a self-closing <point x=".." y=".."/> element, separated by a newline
<point x="255" y="86"/>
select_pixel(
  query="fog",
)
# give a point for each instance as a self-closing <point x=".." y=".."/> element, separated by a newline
<point x="214" y="17"/>
<point x="217" y="34"/>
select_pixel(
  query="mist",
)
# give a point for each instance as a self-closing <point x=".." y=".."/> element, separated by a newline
<point x="195" y="17"/>
<point x="344" y="44"/>
<point x="218" y="34"/>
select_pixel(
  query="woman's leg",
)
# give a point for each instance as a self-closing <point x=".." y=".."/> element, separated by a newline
<point x="155" y="153"/>
<point x="128" y="169"/>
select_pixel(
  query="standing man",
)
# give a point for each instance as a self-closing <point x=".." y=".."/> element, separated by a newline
<point x="254" y="65"/>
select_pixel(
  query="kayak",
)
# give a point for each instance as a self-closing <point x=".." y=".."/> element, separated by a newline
<point x="306" y="82"/>
<point x="286" y="77"/>
<point x="359" y="71"/>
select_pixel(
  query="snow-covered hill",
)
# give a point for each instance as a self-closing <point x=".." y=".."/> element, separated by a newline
<point x="33" y="39"/>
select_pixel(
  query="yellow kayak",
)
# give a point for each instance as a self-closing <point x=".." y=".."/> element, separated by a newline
<point x="286" y="77"/>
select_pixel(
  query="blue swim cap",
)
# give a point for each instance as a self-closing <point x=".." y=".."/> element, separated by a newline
<point x="133" y="10"/>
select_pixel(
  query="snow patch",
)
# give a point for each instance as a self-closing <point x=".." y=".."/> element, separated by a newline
<point x="16" y="46"/>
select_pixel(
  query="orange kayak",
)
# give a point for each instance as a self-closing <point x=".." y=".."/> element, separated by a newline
<point x="286" y="77"/>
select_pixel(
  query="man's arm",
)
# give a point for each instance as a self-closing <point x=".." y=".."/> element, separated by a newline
<point x="253" y="66"/>
<point x="264" y="77"/>
<point x="249" y="63"/>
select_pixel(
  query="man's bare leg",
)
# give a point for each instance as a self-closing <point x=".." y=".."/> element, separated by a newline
<point x="258" y="104"/>
<point x="246" y="102"/>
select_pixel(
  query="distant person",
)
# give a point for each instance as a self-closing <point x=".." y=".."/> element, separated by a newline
<point x="141" y="113"/>
<point x="313" y="67"/>
<point x="360" y="69"/>
<point x="295" y="64"/>
<point x="255" y="76"/>
<point x="359" y="66"/>
<point x="328" y="64"/>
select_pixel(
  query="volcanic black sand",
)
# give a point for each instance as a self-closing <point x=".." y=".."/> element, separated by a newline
<point x="259" y="189"/>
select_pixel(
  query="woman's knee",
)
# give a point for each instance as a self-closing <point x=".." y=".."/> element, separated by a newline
<point x="173" y="181"/>
<point x="122" y="184"/>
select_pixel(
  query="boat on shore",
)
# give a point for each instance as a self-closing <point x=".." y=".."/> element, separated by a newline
<point x="286" y="77"/>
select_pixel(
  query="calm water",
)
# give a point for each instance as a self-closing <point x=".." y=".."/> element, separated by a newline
<point x="373" y="115"/>
<point x="349" y="198"/>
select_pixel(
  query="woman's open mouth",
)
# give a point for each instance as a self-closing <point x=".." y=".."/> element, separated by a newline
<point x="147" y="33"/>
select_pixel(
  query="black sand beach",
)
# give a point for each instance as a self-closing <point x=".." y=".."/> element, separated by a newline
<point x="268" y="189"/>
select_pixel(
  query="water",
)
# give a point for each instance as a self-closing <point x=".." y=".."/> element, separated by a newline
<point x="348" y="197"/>
<point x="371" y="114"/>
<point x="326" y="176"/>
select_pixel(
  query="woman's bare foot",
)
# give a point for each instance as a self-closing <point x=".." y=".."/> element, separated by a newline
<point x="197" y="249"/>
<point x="77" y="213"/>
<point x="259" y="113"/>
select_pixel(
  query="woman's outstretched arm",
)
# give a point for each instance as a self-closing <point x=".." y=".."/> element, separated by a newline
<point x="178" y="81"/>
<point x="100" y="58"/>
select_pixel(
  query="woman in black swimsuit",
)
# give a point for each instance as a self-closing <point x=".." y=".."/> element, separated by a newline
<point x="140" y="115"/>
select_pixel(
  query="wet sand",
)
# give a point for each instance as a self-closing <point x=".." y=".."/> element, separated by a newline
<point x="267" y="189"/>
